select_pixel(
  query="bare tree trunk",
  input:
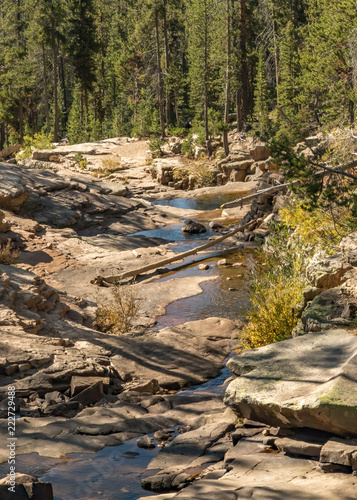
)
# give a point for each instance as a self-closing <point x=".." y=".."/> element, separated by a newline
<point x="159" y="77"/>
<point x="135" y="100"/>
<point x="45" y="79"/>
<point x="228" y="76"/>
<point x="104" y="280"/>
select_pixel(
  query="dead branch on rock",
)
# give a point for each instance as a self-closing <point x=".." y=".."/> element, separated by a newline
<point x="340" y="169"/>
<point x="105" y="280"/>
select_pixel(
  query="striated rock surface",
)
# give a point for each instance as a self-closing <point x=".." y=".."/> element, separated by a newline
<point x="263" y="477"/>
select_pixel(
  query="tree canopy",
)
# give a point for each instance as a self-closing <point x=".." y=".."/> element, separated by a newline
<point x="93" y="68"/>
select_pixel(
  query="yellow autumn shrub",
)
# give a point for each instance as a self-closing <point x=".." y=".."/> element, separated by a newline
<point x="277" y="288"/>
<point x="322" y="228"/>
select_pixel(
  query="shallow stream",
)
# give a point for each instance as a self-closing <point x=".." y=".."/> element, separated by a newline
<point x="115" y="473"/>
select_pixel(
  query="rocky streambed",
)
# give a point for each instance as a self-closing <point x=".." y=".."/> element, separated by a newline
<point x="101" y="416"/>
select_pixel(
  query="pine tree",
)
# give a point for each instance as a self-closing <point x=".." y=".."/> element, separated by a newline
<point x="288" y="89"/>
<point x="261" y="111"/>
<point x="326" y="83"/>
<point x="16" y="72"/>
<point x="82" y="45"/>
<point x="202" y="29"/>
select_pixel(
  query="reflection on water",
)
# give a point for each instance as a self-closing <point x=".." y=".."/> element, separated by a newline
<point x="113" y="473"/>
<point x="207" y="202"/>
<point x="172" y="232"/>
<point x="224" y="297"/>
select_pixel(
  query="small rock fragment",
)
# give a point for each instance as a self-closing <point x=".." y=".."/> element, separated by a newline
<point x="193" y="227"/>
<point x="203" y="267"/>
<point x="145" y="442"/>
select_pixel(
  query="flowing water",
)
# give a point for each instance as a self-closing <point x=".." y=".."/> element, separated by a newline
<point x="115" y="473"/>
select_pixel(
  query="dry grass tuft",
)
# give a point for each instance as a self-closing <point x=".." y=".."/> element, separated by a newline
<point x="117" y="315"/>
<point x="109" y="166"/>
<point x="8" y="255"/>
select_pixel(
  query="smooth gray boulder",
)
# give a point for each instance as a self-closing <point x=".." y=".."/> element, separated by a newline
<point x="309" y="381"/>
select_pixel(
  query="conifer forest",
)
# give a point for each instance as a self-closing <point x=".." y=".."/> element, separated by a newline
<point x="91" y="69"/>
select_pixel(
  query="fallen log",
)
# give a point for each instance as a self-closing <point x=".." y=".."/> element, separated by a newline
<point x="105" y="280"/>
<point x="274" y="189"/>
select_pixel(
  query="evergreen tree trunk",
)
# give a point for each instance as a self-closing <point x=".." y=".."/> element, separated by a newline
<point x="244" y="64"/>
<point x="159" y="77"/>
<point x="2" y="135"/>
<point x="205" y="106"/>
<point x="64" y="88"/>
<point x="45" y="80"/>
<point x="55" y="86"/>
<point x="276" y="62"/>
<point x="227" y="82"/>
<point x="239" y="110"/>
<point x="167" y="62"/>
<point x="176" y="109"/>
<point x="21" y="119"/>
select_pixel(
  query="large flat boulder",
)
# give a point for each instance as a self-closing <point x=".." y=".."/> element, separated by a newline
<point x="309" y="381"/>
<point x="271" y="477"/>
<point x="185" y="448"/>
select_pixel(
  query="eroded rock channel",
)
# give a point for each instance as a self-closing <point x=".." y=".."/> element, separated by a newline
<point x="103" y="416"/>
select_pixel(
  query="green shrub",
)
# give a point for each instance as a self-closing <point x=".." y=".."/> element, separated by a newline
<point x="29" y="144"/>
<point x="80" y="160"/>
<point x="177" y="131"/>
<point x="78" y="157"/>
<point x="277" y="287"/>
<point x="187" y="148"/>
<point x="155" y="146"/>
<point x="147" y="120"/>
